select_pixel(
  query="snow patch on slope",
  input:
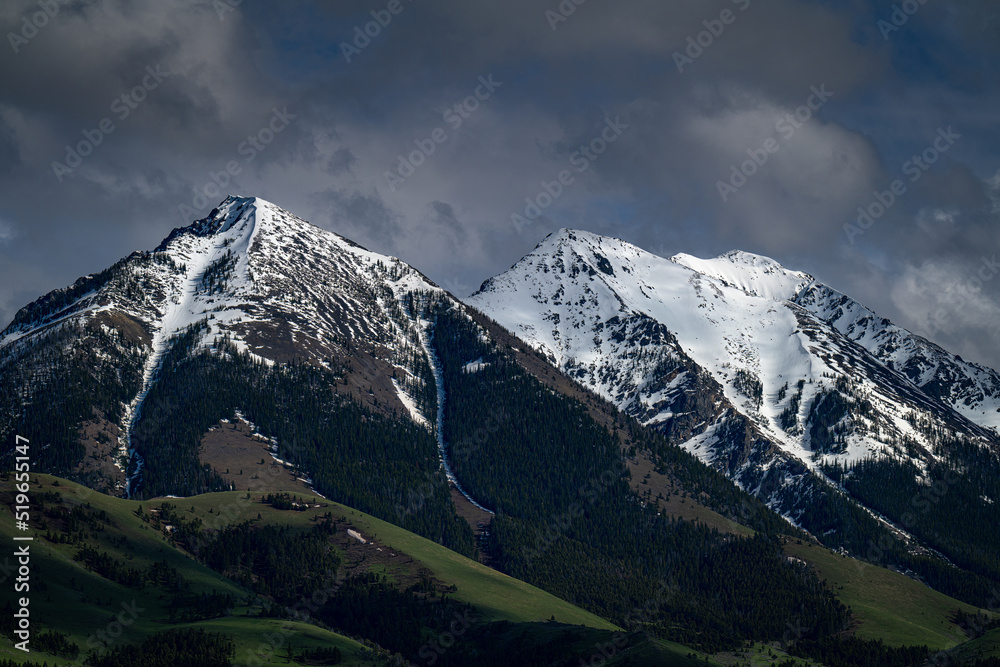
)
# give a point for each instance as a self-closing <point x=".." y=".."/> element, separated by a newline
<point x="474" y="366"/>
<point x="410" y="405"/>
<point x="184" y="308"/>
<point x="439" y="426"/>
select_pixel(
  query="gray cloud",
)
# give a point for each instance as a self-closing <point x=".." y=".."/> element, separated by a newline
<point x="657" y="185"/>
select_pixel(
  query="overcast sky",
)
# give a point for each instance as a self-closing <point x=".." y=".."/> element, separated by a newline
<point x="116" y="117"/>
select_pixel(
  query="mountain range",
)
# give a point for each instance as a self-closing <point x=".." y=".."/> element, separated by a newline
<point x="598" y="421"/>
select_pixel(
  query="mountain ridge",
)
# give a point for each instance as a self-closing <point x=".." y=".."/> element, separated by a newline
<point x="769" y="280"/>
<point x="797" y="393"/>
<point x="371" y="381"/>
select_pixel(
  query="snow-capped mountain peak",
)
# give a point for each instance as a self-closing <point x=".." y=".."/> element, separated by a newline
<point x="270" y="283"/>
<point x="798" y="365"/>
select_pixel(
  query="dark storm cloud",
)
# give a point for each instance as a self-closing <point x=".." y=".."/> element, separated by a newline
<point x="340" y="162"/>
<point x="361" y="216"/>
<point x="694" y="112"/>
<point x="444" y="215"/>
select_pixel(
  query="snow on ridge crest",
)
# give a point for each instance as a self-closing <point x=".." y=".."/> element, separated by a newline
<point x="755" y="275"/>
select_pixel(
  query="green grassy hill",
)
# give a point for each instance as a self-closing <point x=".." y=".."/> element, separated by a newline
<point x="94" y="611"/>
<point x="887" y="605"/>
<point x="987" y="646"/>
<point x="496" y="595"/>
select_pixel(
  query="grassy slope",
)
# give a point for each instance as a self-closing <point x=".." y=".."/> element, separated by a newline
<point x="496" y="595"/>
<point x="985" y="647"/>
<point x="662" y="652"/>
<point x="266" y="640"/>
<point x="888" y="605"/>
<point x="67" y="597"/>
